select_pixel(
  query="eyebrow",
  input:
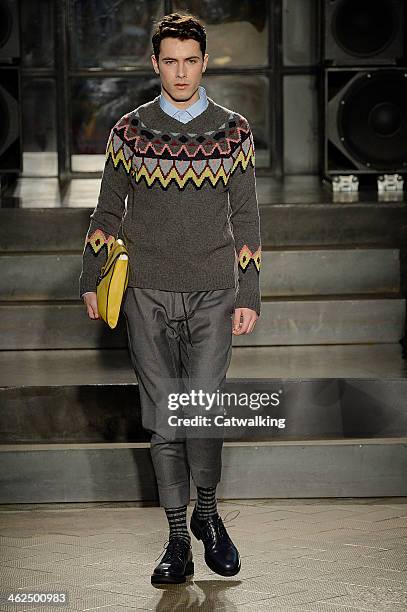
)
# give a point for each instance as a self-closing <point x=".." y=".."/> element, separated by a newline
<point x="174" y="58"/>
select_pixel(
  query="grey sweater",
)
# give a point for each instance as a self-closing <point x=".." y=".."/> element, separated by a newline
<point x="183" y="198"/>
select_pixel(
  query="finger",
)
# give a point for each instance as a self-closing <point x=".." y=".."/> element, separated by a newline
<point x="244" y="324"/>
<point x="236" y="319"/>
<point x="239" y="329"/>
<point x="252" y="325"/>
<point x="90" y="311"/>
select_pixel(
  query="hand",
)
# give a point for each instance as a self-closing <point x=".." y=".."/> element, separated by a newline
<point x="246" y="325"/>
<point x="90" y="299"/>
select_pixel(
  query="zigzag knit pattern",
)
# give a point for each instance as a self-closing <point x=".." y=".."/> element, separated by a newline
<point x="246" y="255"/>
<point x="165" y="157"/>
<point x="98" y="239"/>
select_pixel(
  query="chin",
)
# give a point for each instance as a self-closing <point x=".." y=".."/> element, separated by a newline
<point x="177" y="95"/>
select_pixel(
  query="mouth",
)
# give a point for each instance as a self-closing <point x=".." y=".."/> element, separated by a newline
<point x="181" y="86"/>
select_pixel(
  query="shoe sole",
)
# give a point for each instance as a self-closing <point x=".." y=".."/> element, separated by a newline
<point x="198" y="536"/>
<point x="174" y="578"/>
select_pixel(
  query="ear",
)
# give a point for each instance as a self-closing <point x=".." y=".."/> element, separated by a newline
<point x="155" y="64"/>
<point x="205" y="62"/>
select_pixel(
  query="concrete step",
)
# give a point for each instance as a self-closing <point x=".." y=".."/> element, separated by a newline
<point x="124" y="472"/>
<point x="92" y="396"/>
<point x="295" y="321"/>
<point x="341" y="271"/>
<point x="113" y="366"/>
<point x="291" y="224"/>
<point x="284" y="273"/>
<point x="301" y="409"/>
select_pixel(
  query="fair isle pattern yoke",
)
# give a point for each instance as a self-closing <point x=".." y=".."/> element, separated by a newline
<point x="154" y="156"/>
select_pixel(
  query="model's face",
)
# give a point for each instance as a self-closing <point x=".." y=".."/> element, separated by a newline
<point x="180" y="62"/>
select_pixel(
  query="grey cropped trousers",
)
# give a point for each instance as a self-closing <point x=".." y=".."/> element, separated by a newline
<point x="174" y="338"/>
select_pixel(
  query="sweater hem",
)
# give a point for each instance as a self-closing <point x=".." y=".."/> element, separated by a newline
<point x="198" y="283"/>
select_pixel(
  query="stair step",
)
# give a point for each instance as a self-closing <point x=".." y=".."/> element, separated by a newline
<point x="92" y="396"/>
<point x="113" y="366"/>
<point x="284" y="273"/>
<point x="292" y="224"/>
<point x="329" y="271"/>
<point x="90" y="473"/>
<point x="303" y="320"/>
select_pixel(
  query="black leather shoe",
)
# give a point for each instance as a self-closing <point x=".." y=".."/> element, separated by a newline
<point x="176" y="563"/>
<point x="221" y="555"/>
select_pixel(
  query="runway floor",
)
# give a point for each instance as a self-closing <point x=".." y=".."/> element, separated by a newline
<point x="316" y="555"/>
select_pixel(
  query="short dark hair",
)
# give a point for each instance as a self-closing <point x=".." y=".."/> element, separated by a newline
<point x="179" y="25"/>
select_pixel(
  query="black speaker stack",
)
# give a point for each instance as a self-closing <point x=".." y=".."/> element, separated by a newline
<point x="10" y="89"/>
<point x="364" y="87"/>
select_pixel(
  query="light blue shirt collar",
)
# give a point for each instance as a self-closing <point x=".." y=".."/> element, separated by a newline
<point x="185" y="115"/>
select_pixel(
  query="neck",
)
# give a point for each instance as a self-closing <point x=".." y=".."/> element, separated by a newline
<point x="181" y="104"/>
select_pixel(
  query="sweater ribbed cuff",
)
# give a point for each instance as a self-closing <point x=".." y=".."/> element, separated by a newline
<point x="248" y="299"/>
<point x="87" y="283"/>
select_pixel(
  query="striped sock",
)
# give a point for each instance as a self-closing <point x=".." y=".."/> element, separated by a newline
<point x="177" y="520"/>
<point x="206" y="502"/>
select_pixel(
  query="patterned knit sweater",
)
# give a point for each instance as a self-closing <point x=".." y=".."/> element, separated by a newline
<point x="183" y="198"/>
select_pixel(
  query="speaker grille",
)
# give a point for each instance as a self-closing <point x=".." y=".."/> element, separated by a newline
<point x="364" y="28"/>
<point x="372" y="119"/>
<point x="6" y="22"/>
<point x="4" y="123"/>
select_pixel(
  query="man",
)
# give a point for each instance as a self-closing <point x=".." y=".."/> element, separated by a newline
<point x="192" y="230"/>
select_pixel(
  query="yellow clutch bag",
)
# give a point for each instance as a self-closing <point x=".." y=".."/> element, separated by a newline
<point x="112" y="282"/>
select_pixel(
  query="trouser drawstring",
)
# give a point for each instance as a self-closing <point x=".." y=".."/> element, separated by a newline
<point x="186" y="319"/>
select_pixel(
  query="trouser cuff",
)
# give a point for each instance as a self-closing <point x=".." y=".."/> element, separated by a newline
<point x="175" y="495"/>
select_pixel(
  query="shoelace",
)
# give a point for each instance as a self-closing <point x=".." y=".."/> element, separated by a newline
<point x="178" y="544"/>
<point x="238" y="512"/>
<point x="177" y="547"/>
<point x="220" y="524"/>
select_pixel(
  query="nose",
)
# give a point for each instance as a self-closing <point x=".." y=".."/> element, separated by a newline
<point x="181" y="71"/>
